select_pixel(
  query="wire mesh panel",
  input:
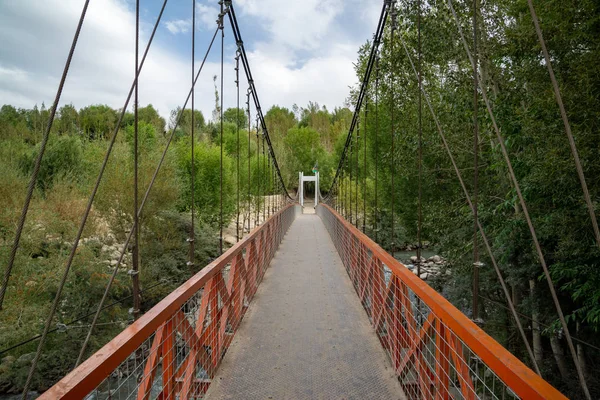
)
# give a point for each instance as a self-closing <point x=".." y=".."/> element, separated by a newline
<point x="435" y="350"/>
<point x="174" y="350"/>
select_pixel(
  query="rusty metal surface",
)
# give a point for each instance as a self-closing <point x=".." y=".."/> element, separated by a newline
<point x="306" y="335"/>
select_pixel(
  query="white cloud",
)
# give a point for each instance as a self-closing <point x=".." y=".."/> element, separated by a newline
<point x="206" y="15"/>
<point x="103" y="65"/>
<point x="310" y="49"/>
<point x="178" y="26"/>
<point x="305" y="53"/>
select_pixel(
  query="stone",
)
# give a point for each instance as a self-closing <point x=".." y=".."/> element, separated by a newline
<point x="8" y="360"/>
<point x="25" y="359"/>
<point x="230" y="239"/>
<point x="424" y="275"/>
<point x="413" y="259"/>
<point x="448" y="272"/>
<point x="430" y="264"/>
<point x="114" y="262"/>
<point x="436" y="259"/>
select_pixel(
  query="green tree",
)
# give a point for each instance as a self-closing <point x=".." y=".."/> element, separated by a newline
<point x="98" y="121"/>
<point x="236" y="116"/>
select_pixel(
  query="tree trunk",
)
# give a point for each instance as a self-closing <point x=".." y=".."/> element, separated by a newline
<point x="581" y="353"/>
<point x="559" y="356"/>
<point x="538" y="351"/>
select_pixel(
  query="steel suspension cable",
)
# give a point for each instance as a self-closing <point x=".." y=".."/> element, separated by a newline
<point x="470" y="203"/>
<point x="350" y="163"/>
<point x="40" y="155"/>
<point x="370" y="64"/>
<point x="365" y="165"/>
<point x="392" y="127"/>
<point x="257" y="197"/>
<point x="86" y="213"/>
<point x="136" y="220"/>
<point x="237" y="123"/>
<point x="222" y="27"/>
<point x="192" y="236"/>
<point x="357" y="172"/>
<point x="420" y="150"/>
<point x="249" y="202"/>
<point x="264" y="162"/>
<point x="565" y="118"/>
<point x="143" y="203"/>
<point x="476" y="263"/>
<point x="376" y="218"/>
<point x="528" y="219"/>
<point x="238" y="38"/>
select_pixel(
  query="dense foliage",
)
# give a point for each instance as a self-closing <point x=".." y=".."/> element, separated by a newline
<point x="519" y="87"/>
<point x="68" y="171"/>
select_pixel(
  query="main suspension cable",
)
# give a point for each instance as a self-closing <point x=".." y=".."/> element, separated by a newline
<point x="238" y="38"/>
<point x="370" y="64"/>
<point x="40" y="155"/>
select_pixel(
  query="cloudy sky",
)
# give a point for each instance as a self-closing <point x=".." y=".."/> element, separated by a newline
<point x="299" y="51"/>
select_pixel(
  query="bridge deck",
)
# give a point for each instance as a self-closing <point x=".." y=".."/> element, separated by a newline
<point x="305" y="335"/>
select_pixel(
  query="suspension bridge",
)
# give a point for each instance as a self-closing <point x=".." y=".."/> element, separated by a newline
<point x="305" y="305"/>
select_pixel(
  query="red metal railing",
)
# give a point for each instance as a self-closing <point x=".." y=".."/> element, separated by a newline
<point x="175" y="348"/>
<point x="436" y="351"/>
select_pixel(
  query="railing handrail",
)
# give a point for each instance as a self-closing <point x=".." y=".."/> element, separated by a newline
<point x="99" y="366"/>
<point x="521" y="379"/>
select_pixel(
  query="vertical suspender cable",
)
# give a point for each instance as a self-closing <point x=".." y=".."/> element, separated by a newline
<point x="192" y="237"/>
<point x="237" y="124"/>
<point x="563" y="113"/>
<point x="392" y="157"/>
<point x="364" y="222"/>
<point x="221" y="26"/>
<point x="357" y="172"/>
<point x="376" y="209"/>
<point x="136" y="219"/>
<point x="420" y="151"/>
<point x="350" y="162"/>
<point x="257" y="198"/>
<point x="476" y="263"/>
<point x="40" y="155"/>
<point x="249" y="202"/>
<point x="263" y="173"/>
